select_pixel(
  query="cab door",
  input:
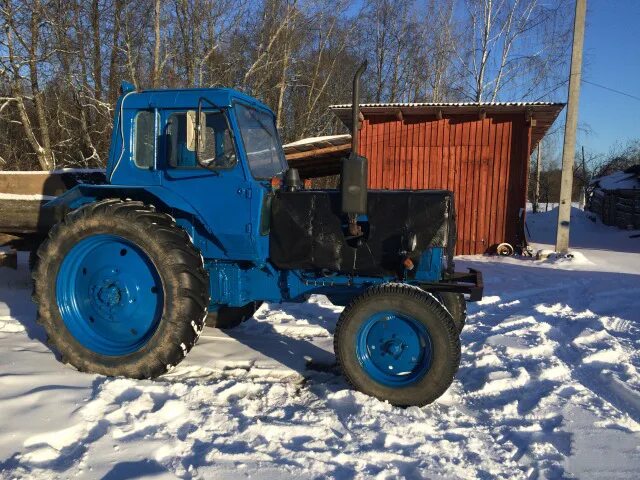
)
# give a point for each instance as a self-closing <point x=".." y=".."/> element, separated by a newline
<point x="219" y="193"/>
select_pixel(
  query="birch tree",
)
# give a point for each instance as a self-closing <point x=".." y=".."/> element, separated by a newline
<point x="512" y="43"/>
<point x="24" y="27"/>
<point x="62" y="61"/>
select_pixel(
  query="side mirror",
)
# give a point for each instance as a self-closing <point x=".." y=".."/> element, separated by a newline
<point x="195" y="131"/>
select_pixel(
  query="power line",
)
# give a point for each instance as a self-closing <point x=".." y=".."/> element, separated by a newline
<point x="552" y="89"/>
<point x="611" y="90"/>
<point x="564" y="82"/>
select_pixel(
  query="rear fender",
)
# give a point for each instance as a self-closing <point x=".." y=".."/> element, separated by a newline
<point x="163" y="199"/>
<point x="83" y="194"/>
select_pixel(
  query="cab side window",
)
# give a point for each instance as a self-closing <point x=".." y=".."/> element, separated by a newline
<point x="218" y="150"/>
<point x="144" y="141"/>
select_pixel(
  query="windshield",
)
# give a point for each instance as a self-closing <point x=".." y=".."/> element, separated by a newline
<point x="261" y="142"/>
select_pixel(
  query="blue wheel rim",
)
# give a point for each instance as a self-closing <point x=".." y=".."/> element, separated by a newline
<point x="395" y="350"/>
<point x="109" y="294"/>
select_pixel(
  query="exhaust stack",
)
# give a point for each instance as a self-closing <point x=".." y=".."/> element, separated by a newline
<point x="354" y="169"/>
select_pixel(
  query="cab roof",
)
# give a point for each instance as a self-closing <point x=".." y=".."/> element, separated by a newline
<point x="189" y="98"/>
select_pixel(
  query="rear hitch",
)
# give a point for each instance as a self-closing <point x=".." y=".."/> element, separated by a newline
<point x="470" y="283"/>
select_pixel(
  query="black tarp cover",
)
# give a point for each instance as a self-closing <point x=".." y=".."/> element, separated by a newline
<point x="307" y="230"/>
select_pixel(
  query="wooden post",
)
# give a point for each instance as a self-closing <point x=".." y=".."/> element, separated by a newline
<point x="569" y="147"/>
<point x="536" y="186"/>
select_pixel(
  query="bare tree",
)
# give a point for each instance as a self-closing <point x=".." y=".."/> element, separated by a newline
<point x="512" y="43"/>
<point x="413" y="45"/>
<point x="114" y="55"/>
<point x="62" y="61"/>
<point x="155" y="76"/>
<point x="321" y="65"/>
<point x="23" y="29"/>
<point x="97" y="48"/>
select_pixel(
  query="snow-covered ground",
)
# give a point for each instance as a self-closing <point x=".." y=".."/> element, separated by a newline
<point x="548" y="387"/>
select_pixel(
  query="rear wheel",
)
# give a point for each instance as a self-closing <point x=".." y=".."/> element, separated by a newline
<point x="397" y="343"/>
<point x="121" y="290"/>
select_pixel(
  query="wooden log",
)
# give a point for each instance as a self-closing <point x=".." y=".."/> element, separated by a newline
<point x="25" y="216"/>
<point x="47" y="183"/>
<point x="23" y="221"/>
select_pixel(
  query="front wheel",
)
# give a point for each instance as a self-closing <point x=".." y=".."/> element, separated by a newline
<point x="398" y="343"/>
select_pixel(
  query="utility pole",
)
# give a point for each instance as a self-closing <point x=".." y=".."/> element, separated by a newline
<point x="536" y="187"/>
<point x="585" y="182"/>
<point x="571" y="124"/>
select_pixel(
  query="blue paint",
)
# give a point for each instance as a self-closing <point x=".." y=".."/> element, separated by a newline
<point x="222" y="208"/>
<point x="394" y="350"/>
<point x="430" y="266"/>
<point x="126" y="87"/>
<point x="109" y="294"/>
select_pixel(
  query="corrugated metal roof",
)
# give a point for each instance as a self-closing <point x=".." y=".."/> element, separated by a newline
<point x="448" y="104"/>
<point x="545" y="113"/>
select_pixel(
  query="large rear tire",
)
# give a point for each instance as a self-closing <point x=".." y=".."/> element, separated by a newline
<point x="398" y="343"/>
<point x="121" y="290"/>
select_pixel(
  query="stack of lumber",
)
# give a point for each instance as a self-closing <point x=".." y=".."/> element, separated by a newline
<point x="23" y="196"/>
<point x="615" y="198"/>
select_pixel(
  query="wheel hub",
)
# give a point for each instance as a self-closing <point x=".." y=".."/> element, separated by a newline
<point x="394" y="349"/>
<point x="109" y="294"/>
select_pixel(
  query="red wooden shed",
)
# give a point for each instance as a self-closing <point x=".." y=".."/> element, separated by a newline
<point x="480" y="151"/>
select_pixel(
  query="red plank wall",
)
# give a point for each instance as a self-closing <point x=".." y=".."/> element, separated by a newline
<point x="483" y="161"/>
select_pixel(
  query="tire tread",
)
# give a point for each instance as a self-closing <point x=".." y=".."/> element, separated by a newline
<point x="182" y="258"/>
<point x="414" y="293"/>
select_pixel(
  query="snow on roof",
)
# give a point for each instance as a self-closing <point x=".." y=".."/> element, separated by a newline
<point x="326" y="138"/>
<point x="448" y="104"/>
<point x="618" y="181"/>
<point x="318" y="156"/>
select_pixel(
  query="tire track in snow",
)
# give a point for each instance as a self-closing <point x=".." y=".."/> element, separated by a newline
<point x="523" y="359"/>
<point x="508" y="414"/>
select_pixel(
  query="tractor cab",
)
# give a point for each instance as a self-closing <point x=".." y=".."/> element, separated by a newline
<point x="213" y="151"/>
<point x="218" y="129"/>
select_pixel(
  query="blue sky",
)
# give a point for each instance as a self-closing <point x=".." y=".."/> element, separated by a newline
<point x="612" y="59"/>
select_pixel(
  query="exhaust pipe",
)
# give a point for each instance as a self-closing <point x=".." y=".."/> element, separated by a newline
<point x="355" y="107"/>
<point x="354" y="169"/>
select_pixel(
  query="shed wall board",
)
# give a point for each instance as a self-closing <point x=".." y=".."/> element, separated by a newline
<point x="484" y="161"/>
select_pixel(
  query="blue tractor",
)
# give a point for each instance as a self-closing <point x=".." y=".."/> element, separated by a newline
<point x="201" y="220"/>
